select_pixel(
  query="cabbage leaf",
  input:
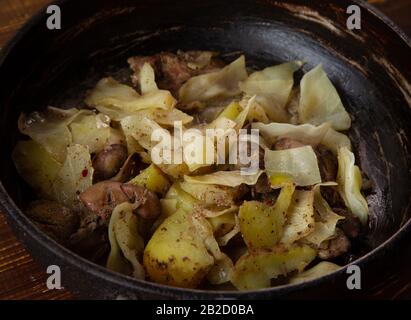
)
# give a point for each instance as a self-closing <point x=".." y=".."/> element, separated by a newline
<point x="300" y="217"/>
<point x="320" y="102"/>
<point x="299" y="163"/>
<point x="349" y="185"/>
<point x="218" y="84"/>
<point x="225" y="178"/>
<point x="272" y="86"/>
<point x="118" y="100"/>
<point x="75" y="176"/>
<point x="306" y="133"/>
<point x="126" y="244"/>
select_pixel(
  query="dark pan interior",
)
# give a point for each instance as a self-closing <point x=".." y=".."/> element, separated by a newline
<point x="371" y="69"/>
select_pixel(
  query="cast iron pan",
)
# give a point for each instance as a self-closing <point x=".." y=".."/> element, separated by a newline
<point x="371" y="69"/>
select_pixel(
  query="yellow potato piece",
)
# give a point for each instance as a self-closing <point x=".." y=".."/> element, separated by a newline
<point x="153" y="179"/>
<point x="176" y="253"/>
<point x="262" y="225"/>
<point x="184" y="200"/>
<point x="255" y="270"/>
<point x="231" y="111"/>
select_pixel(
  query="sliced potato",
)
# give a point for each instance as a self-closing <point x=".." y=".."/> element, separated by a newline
<point x="176" y="253"/>
<point x="153" y="179"/>
<point x="262" y="225"/>
<point x="255" y="270"/>
<point x="184" y="200"/>
<point x="231" y="111"/>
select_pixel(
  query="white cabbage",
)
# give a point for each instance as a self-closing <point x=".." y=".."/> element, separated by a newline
<point x="118" y="100"/>
<point x="75" y="176"/>
<point x="225" y="178"/>
<point x="299" y="163"/>
<point x="306" y="133"/>
<point x="335" y="140"/>
<point x="50" y="129"/>
<point x="223" y="240"/>
<point x="218" y="84"/>
<point x="141" y="130"/>
<point x="126" y="244"/>
<point x="94" y="131"/>
<point x="300" y="217"/>
<point x="349" y="185"/>
<point x="272" y="86"/>
<point x="325" y="228"/>
<point x="320" y="102"/>
<point x="36" y="166"/>
<point x="146" y="79"/>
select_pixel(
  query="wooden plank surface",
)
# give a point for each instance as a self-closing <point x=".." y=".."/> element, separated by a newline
<point x="20" y="276"/>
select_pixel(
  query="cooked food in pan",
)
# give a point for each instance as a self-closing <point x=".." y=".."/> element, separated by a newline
<point x="200" y="174"/>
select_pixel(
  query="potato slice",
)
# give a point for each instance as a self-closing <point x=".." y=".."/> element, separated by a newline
<point x="231" y="111"/>
<point x="254" y="270"/>
<point x="177" y="253"/>
<point x="153" y="179"/>
<point x="262" y="225"/>
<point x="184" y="199"/>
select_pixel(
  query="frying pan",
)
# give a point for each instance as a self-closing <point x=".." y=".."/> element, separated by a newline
<point x="370" y="67"/>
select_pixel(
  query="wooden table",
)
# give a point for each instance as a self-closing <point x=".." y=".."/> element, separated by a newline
<point x="20" y="276"/>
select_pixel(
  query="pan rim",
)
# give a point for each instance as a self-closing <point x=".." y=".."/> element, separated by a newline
<point x="13" y="212"/>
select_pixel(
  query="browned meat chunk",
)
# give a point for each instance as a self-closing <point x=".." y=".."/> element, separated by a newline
<point x="351" y="225"/>
<point x="263" y="185"/>
<point x="137" y="62"/>
<point x="334" y="247"/>
<point x="131" y="167"/>
<point x="327" y="163"/>
<point x="287" y="143"/>
<point x="91" y="239"/>
<point x="54" y="219"/>
<point x="109" y="161"/>
<point x="101" y="198"/>
<point x="172" y="70"/>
